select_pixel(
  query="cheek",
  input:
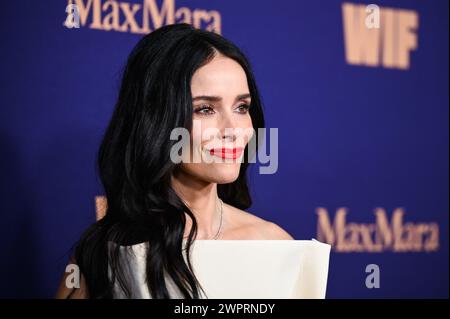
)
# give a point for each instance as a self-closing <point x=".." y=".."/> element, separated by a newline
<point x="247" y="130"/>
<point x="204" y="133"/>
<point x="197" y="130"/>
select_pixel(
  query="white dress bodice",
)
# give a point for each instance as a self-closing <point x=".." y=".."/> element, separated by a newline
<point x="242" y="269"/>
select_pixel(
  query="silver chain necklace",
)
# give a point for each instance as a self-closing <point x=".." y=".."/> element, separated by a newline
<point x="220" y="225"/>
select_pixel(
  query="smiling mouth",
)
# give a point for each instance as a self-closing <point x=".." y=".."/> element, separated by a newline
<point x="227" y="152"/>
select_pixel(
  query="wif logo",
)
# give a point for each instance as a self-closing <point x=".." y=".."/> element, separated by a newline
<point x="377" y="36"/>
<point x="378" y="237"/>
<point x="138" y="18"/>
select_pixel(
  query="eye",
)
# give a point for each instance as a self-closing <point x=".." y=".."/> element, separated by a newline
<point x="204" y="110"/>
<point x="243" y="108"/>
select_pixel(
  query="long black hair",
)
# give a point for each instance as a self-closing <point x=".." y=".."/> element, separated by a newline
<point x="135" y="166"/>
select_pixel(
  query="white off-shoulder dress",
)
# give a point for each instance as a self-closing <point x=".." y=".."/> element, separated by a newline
<point x="264" y="269"/>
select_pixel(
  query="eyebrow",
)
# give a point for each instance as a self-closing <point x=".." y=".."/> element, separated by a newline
<point x="211" y="98"/>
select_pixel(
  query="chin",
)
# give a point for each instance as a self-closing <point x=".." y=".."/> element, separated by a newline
<point x="220" y="173"/>
<point x="224" y="173"/>
<point x="226" y="179"/>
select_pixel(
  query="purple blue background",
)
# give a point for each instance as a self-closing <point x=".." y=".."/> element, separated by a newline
<point x="349" y="136"/>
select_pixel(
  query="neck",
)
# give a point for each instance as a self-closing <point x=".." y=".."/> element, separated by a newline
<point x="202" y="199"/>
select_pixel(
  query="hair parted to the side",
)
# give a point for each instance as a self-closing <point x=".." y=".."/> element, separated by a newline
<point x="135" y="166"/>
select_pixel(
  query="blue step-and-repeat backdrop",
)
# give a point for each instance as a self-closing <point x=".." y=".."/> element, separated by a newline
<point x="357" y="90"/>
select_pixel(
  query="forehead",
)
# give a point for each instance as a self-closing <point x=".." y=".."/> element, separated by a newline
<point x="222" y="76"/>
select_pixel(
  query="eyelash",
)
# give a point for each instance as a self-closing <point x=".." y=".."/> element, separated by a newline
<point x="203" y="107"/>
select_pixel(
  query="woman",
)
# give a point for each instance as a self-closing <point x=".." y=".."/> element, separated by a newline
<point x="175" y="76"/>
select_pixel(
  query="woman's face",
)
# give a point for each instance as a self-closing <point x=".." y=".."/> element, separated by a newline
<point x="222" y="125"/>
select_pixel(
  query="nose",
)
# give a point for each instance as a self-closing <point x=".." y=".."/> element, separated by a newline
<point x="227" y="127"/>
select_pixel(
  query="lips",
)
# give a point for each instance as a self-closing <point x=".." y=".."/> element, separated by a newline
<point x="227" y="152"/>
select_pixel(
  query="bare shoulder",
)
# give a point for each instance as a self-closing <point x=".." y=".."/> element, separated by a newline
<point x="244" y="225"/>
<point x="273" y="231"/>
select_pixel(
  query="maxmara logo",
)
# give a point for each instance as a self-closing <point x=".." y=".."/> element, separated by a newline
<point x="139" y="18"/>
<point x="383" y="235"/>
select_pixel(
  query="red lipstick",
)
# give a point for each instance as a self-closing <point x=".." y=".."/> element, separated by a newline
<point x="227" y="152"/>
